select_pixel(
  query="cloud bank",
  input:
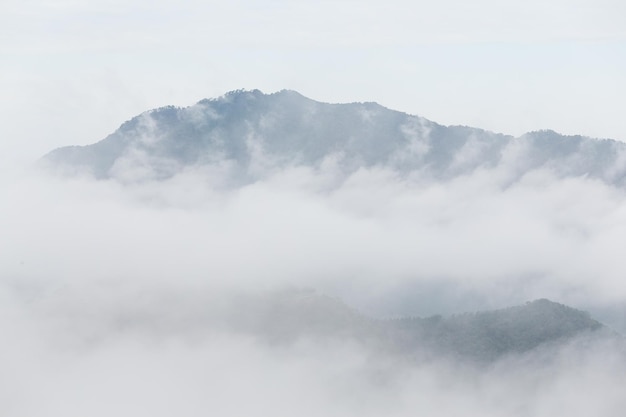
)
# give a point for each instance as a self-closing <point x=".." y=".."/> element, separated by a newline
<point x="112" y="293"/>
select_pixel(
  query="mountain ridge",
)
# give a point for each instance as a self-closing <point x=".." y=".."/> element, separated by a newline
<point x="482" y="336"/>
<point x="251" y="133"/>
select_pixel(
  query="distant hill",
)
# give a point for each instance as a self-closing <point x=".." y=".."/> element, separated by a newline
<point x="249" y="134"/>
<point x="489" y="335"/>
<point x="482" y="336"/>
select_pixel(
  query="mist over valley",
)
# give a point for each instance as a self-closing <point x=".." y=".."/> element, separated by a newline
<point x="269" y="254"/>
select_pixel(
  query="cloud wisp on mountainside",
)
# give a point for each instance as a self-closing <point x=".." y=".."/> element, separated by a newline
<point x="397" y="196"/>
<point x="146" y="280"/>
<point x="255" y="134"/>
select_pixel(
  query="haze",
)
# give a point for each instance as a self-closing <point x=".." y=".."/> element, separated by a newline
<point x="125" y="295"/>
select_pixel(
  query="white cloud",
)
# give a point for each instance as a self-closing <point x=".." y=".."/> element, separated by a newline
<point x="110" y="292"/>
<point x="540" y="236"/>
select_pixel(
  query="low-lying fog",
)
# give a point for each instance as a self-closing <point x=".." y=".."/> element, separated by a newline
<point x="112" y="295"/>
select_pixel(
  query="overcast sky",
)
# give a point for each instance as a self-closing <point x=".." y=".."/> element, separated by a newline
<point x="72" y="71"/>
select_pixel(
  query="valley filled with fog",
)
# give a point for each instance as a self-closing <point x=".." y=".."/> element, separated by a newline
<point x="267" y="254"/>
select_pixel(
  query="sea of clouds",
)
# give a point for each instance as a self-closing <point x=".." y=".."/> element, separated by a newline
<point x="113" y="294"/>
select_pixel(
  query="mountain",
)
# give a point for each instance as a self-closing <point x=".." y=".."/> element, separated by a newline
<point x="489" y="335"/>
<point x="288" y="316"/>
<point x="249" y="134"/>
<point x="484" y="336"/>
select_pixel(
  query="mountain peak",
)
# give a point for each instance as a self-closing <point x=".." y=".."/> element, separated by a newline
<point x="482" y="336"/>
<point x="247" y="129"/>
<point x="489" y="335"/>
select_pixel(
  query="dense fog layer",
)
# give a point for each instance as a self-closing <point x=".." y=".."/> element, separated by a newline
<point x="370" y="234"/>
<point x="116" y="297"/>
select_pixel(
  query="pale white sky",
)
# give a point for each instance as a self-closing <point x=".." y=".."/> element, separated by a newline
<point x="72" y="71"/>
